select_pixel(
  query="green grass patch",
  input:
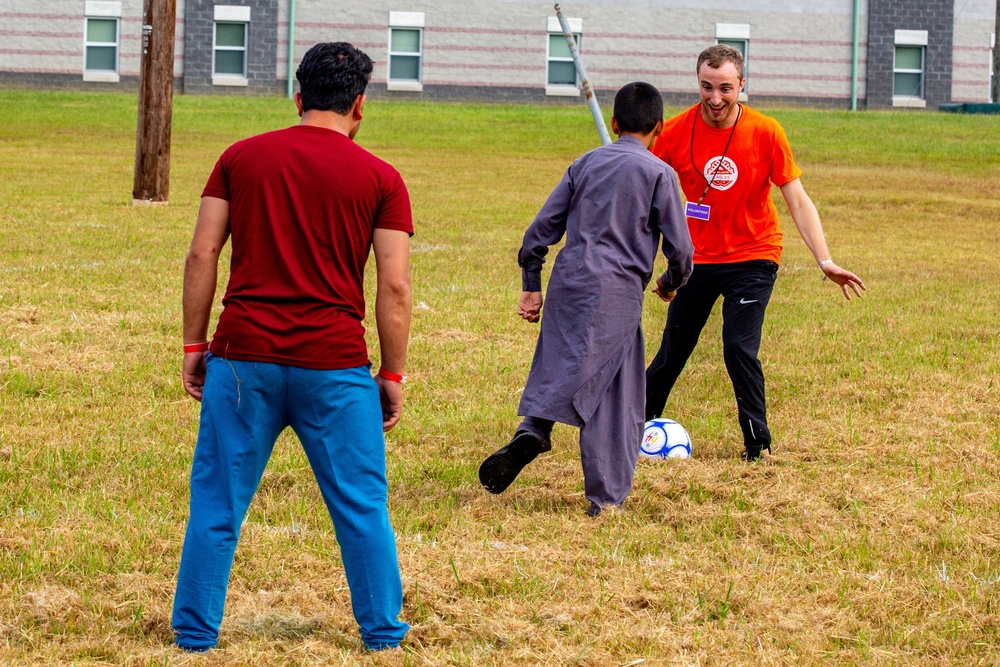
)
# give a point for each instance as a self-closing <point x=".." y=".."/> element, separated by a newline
<point x="873" y="540"/>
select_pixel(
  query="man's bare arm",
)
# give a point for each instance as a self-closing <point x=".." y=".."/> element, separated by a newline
<point x="393" y="304"/>
<point x="201" y="270"/>
<point x="806" y="219"/>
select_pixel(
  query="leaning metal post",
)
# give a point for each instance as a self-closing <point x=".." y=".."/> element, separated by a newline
<point x="595" y="109"/>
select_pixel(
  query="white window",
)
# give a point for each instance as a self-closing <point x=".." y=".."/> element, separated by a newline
<point x="737" y="36"/>
<point x="560" y="70"/>
<point x="908" y="68"/>
<point x="406" y="47"/>
<point x="229" y="45"/>
<point x="102" y="40"/>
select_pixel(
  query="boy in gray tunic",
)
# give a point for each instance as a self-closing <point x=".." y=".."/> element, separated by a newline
<point x="613" y="204"/>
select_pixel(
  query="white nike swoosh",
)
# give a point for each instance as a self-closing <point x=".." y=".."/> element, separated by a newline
<point x="744" y="301"/>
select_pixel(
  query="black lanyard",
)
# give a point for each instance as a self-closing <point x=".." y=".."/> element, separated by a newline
<point x="724" y="151"/>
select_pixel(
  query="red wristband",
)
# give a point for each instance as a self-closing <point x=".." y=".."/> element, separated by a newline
<point x="195" y="347"/>
<point x="389" y="375"/>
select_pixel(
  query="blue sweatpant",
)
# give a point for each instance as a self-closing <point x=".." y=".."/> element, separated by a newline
<point x="338" y="418"/>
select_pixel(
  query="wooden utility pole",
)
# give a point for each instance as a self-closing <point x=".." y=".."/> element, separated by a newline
<point x="156" y="90"/>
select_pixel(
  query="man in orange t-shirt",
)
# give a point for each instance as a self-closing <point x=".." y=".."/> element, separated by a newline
<point x="727" y="156"/>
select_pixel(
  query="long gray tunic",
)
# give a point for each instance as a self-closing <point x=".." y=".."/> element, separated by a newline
<point x="613" y="204"/>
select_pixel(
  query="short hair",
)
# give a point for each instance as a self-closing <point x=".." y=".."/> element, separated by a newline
<point x="638" y="107"/>
<point x="332" y="75"/>
<point x="718" y="55"/>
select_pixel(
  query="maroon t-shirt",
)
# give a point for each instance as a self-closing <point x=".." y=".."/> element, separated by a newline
<point x="303" y="206"/>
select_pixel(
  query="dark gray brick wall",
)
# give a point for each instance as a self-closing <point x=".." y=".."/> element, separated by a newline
<point x="937" y="17"/>
<point x="51" y="81"/>
<point x="262" y="47"/>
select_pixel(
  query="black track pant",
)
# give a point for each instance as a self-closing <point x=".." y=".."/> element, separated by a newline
<point x="745" y="288"/>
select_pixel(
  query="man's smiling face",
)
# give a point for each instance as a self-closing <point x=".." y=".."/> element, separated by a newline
<point x="720" y="89"/>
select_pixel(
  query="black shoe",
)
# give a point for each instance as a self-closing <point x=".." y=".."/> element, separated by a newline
<point x="502" y="466"/>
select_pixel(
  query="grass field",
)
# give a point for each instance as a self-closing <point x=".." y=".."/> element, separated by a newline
<point x="874" y="540"/>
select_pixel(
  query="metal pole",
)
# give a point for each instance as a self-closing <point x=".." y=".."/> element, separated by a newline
<point x="156" y="89"/>
<point x="995" y="84"/>
<point x="291" y="47"/>
<point x="595" y="109"/>
<point x="854" y="60"/>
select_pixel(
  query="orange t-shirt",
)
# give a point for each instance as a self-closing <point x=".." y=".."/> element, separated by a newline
<point x="743" y="222"/>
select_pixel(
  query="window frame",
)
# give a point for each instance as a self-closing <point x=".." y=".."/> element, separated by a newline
<point x="554" y="28"/>
<point x="228" y="49"/>
<point x="910" y="39"/>
<point x="231" y="15"/>
<point x="102" y="11"/>
<point x="896" y="69"/>
<point x="413" y="21"/>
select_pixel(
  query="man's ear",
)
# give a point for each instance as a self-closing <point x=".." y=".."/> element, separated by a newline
<point x="658" y="130"/>
<point x="358" y="107"/>
<point x="298" y="102"/>
<point x="614" y="126"/>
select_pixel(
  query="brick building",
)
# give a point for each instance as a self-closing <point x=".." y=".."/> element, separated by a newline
<point x="837" y="53"/>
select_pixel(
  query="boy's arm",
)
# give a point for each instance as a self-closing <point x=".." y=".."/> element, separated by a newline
<point x="668" y="212"/>
<point x="546" y="229"/>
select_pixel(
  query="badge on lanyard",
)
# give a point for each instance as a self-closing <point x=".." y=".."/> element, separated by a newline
<point x="698" y="211"/>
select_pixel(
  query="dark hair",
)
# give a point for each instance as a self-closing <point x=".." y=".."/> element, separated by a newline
<point x="638" y="107"/>
<point x="718" y="55"/>
<point x="332" y="75"/>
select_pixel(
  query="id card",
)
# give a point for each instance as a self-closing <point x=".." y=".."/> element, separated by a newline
<point x="698" y="211"/>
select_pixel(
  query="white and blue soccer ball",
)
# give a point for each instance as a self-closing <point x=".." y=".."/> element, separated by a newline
<point x="665" y="439"/>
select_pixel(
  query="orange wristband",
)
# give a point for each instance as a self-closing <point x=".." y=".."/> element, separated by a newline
<point x="389" y="375"/>
<point x="195" y="347"/>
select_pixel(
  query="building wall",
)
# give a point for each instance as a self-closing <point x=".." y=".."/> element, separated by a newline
<point x="262" y="44"/>
<point x="498" y="49"/>
<point x="799" y="52"/>
<point x="975" y="21"/>
<point x="888" y="16"/>
<point x="42" y="44"/>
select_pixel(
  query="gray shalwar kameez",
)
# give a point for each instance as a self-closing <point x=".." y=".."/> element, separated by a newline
<point x="612" y="204"/>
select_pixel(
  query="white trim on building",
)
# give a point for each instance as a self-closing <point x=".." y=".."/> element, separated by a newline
<point x="101" y="49"/>
<point x="559" y="66"/>
<point x="909" y="68"/>
<point x="229" y="55"/>
<point x="404" y="71"/>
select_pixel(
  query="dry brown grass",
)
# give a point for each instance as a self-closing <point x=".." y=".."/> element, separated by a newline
<point x="872" y="540"/>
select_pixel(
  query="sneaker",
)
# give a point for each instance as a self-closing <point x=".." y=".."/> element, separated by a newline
<point x="502" y="466"/>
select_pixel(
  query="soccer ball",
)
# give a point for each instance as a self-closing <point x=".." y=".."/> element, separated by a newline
<point x="665" y="439"/>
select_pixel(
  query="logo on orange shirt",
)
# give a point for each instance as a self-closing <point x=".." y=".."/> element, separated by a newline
<point x="722" y="172"/>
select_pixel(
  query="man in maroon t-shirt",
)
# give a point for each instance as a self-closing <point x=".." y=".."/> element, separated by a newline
<point x="304" y="207"/>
